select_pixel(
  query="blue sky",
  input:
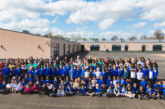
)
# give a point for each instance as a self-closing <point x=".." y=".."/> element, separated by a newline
<point x="85" y="18"/>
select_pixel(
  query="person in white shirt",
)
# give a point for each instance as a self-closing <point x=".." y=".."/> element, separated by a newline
<point x="151" y="76"/>
<point x="98" y="73"/>
<point x="139" y="76"/>
<point x="133" y="75"/>
<point x="19" y="87"/>
<point x="86" y="74"/>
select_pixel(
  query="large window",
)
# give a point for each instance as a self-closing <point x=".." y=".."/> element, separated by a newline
<point x="116" y="47"/>
<point x="94" y="47"/>
<point x="56" y="50"/>
<point x="157" y="47"/>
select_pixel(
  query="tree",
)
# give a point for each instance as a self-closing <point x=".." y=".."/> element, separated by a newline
<point x="59" y="37"/>
<point x="26" y="31"/>
<point x="48" y="35"/>
<point x="104" y="39"/>
<point x="159" y="34"/>
<point x="122" y="39"/>
<point x="143" y="37"/>
<point x="84" y="39"/>
<point x="114" y="38"/>
<point x="133" y="38"/>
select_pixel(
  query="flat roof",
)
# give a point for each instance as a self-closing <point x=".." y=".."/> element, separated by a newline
<point x="36" y="35"/>
<point x="126" y="41"/>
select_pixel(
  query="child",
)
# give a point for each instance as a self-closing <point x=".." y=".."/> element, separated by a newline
<point x="98" y="90"/>
<point x="27" y="89"/>
<point x="90" y="90"/>
<point x="109" y="92"/>
<point x="60" y="92"/>
<point x="116" y="90"/>
<point x="123" y="91"/>
<point x="129" y="93"/>
<point x="35" y="89"/>
<point x="53" y="92"/>
<point x="139" y="77"/>
<point x="68" y="91"/>
<point x="151" y="93"/>
<point x="82" y="91"/>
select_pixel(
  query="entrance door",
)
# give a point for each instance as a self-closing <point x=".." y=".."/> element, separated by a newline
<point x="143" y="48"/>
<point x="82" y="48"/>
<point x="126" y="47"/>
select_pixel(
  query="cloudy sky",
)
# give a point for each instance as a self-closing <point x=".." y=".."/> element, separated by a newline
<point x="86" y="18"/>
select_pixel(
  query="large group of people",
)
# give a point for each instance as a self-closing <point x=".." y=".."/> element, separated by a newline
<point x="133" y="78"/>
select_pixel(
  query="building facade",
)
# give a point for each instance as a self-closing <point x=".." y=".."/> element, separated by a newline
<point x="137" y="45"/>
<point x="20" y="45"/>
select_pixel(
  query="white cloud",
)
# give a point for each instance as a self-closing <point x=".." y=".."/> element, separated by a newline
<point x="106" y="23"/>
<point x="57" y="31"/>
<point x="102" y="12"/>
<point x="32" y="25"/>
<point x="159" y="24"/>
<point x="152" y="9"/>
<point x="139" y="25"/>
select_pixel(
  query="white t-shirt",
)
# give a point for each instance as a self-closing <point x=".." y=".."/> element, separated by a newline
<point x="139" y="75"/>
<point x="133" y="74"/>
<point x="150" y="74"/>
<point x="86" y="74"/>
<point x="98" y="74"/>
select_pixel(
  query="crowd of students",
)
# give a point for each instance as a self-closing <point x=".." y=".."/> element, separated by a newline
<point x="133" y="78"/>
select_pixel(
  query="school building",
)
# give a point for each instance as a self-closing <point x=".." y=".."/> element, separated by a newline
<point x="21" y="45"/>
<point x="136" y="45"/>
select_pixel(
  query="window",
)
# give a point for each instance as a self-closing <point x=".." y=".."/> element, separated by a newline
<point x="157" y="47"/>
<point x="94" y="47"/>
<point x="56" y="50"/>
<point x="116" y="47"/>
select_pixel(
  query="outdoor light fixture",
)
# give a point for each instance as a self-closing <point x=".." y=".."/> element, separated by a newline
<point x="1" y="45"/>
<point x="38" y="46"/>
